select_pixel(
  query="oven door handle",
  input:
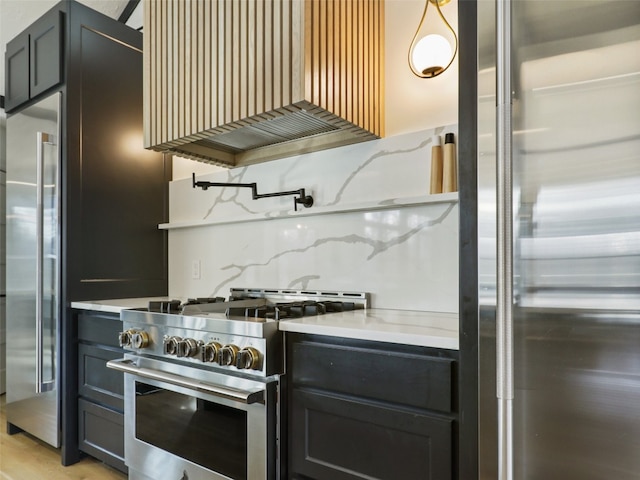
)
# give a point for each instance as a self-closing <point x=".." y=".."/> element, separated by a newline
<point x="243" y="396"/>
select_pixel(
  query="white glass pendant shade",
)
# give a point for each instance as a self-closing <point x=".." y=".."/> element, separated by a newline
<point x="434" y="45"/>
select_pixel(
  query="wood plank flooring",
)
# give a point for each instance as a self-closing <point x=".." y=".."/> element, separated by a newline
<point x="23" y="457"/>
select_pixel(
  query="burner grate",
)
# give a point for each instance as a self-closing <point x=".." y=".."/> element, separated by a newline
<point x="286" y="310"/>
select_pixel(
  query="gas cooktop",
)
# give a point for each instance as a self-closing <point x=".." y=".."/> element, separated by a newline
<point x="238" y="335"/>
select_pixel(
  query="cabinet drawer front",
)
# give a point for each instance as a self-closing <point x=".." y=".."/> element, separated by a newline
<point x="341" y="439"/>
<point x="387" y="375"/>
<point x="101" y="433"/>
<point x="99" y="328"/>
<point x="95" y="380"/>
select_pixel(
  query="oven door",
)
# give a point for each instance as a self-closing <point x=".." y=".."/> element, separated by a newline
<point x="185" y="423"/>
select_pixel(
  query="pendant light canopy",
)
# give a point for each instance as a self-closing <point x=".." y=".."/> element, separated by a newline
<point x="435" y="44"/>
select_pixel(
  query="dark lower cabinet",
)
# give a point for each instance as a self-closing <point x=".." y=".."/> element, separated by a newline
<point x="370" y="410"/>
<point x="100" y="389"/>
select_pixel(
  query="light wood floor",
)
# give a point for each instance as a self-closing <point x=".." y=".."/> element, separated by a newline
<point x="22" y="457"/>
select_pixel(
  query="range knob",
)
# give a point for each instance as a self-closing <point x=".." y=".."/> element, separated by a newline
<point x="124" y="338"/>
<point x="227" y="355"/>
<point x="133" y="338"/>
<point x="171" y="345"/>
<point x="210" y="351"/>
<point x="249" y="358"/>
<point x="140" y="339"/>
<point x="188" y="348"/>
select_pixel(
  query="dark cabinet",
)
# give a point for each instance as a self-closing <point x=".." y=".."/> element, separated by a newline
<point x="374" y="410"/>
<point x="16" y="81"/>
<point x="33" y="60"/>
<point x="100" y="389"/>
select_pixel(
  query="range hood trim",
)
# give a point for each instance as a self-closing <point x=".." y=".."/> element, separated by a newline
<point x="345" y="133"/>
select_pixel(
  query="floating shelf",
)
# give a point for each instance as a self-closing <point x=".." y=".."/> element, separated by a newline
<point x="319" y="210"/>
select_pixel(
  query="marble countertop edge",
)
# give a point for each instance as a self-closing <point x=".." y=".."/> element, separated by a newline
<point x="420" y="328"/>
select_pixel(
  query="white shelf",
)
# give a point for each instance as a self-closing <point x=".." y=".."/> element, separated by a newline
<point x="319" y="210"/>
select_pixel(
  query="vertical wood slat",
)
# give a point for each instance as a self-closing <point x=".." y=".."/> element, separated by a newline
<point x="243" y="57"/>
<point x="330" y="56"/>
<point x="173" y="69"/>
<point x="208" y="63"/>
<point x="221" y="60"/>
<point x="260" y="48"/>
<point x="341" y="34"/>
<point x="285" y="59"/>
<point x="148" y="113"/>
<point x="165" y="61"/>
<point x="227" y="47"/>
<point x="251" y="59"/>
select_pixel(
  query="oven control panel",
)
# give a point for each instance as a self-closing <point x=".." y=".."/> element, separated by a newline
<point x="230" y="351"/>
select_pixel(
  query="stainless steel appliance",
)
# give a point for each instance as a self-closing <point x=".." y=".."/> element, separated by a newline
<point x="562" y="294"/>
<point x="33" y="269"/>
<point x="203" y="383"/>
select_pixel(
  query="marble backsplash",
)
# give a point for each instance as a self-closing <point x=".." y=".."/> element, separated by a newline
<point x="373" y="227"/>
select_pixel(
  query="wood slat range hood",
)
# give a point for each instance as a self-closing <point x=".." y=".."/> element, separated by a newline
<point x="237" y="82"/>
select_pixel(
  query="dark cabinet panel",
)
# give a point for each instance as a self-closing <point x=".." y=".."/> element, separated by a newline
<point x="361" y="409"/>
<point x="17" y="72"/>
<point x="33" y="60"/>
<point x="117" y="191"/>
<point x="95" y="380"/>
<point x="344" y="439"/>
<point x="383" y="374"/>
<point x="101" y="434"/>
<point x="119" y="183"/>
<point x="102" y="328"/>
<point x="45" y="42"/>
<point x="100" y="390"/>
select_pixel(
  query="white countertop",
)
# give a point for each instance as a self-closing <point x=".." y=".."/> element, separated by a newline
<point x="427" y="329"/>
<point x="115" y="305"/>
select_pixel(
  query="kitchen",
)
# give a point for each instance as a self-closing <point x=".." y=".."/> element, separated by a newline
<point x="391" y="249"/>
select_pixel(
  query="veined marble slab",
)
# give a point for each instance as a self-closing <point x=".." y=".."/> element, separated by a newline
<point x="427" y="329"/>
<point x="405" y="256"/>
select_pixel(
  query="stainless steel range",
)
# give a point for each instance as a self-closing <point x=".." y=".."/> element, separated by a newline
<point x="203" y="380"/>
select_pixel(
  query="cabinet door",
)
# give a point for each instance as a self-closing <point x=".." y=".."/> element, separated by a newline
<point x="45" y="47"/>
<point x="95" y="380"/>
<point x="341" y="438"/>
<point x="101" y="433"/>
<point x="17" y="72"/>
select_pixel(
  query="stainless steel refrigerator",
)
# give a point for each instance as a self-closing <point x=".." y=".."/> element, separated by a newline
<point x="559" y="239"/>
<point x="33" y="270"/>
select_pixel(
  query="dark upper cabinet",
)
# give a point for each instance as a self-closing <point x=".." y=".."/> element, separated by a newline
<point x="33" y="60"/>
<point x="17" y="71"/>
<point x="45" y="48"/>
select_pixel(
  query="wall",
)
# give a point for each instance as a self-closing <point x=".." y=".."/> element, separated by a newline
<point x="373" y="227"/>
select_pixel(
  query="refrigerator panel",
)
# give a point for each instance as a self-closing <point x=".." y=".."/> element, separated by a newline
<point x="32" y="270"/>
<point x="576" y="202"/>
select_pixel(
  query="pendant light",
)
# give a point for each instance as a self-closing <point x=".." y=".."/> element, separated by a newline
<point x="435" y="44"/>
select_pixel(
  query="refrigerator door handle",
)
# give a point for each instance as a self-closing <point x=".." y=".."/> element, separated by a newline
<point x="504" y="238"/>
<point x="42" y="139"/>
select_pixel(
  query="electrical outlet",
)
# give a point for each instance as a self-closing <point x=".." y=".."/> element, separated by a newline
<point x="195" y="269"/>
